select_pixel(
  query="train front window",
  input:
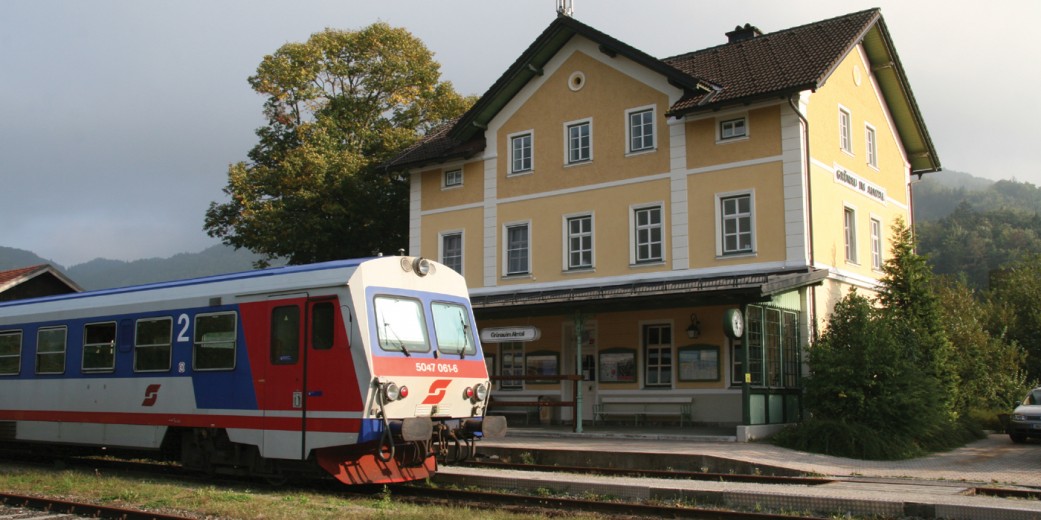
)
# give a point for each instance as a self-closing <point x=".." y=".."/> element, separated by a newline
<point x="453" y="330"/>
<point x="400" y="325"/>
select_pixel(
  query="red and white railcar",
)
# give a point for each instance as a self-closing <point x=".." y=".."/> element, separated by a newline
<point x="365" y="368"/>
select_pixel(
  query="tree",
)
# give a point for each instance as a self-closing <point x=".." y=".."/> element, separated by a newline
<point x="337" y="106"/>
<point x="1014" y="296"/>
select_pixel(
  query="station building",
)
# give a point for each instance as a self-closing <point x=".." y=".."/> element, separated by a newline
<point x="677" y="229"/>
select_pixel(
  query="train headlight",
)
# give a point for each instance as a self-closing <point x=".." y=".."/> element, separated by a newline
<point x="480" y="392"/>
<point x="393" y="392"/>
<point x="421" y="266"/>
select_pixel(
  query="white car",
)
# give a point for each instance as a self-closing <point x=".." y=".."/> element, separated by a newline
<point x="1026" y="418"/>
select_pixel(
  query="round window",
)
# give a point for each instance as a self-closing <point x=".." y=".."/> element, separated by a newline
<point x="576" y="81"/>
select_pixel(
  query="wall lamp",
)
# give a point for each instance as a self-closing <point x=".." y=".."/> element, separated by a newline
<point x="694" y="329"/>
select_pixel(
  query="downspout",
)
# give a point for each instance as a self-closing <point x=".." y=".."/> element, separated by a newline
<point x="809" y="209"/>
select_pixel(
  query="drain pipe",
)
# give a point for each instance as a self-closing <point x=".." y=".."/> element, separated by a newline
<point x="809" y="209"/>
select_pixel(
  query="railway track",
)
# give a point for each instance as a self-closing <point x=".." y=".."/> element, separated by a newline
<point x="29" y="507"/>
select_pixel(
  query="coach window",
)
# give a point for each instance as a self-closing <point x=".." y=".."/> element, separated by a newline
<point x="285" y="335"/>
<point x="214" y="342"/>
<point x="10" y="352"/>
<point x="152" y="345"/>
<point x="453" y="330"/>
<point x="50" y="350"/>
<point x="400" y="326"/>
<point x="99" y="347"/>
<point x="322" y="326"/>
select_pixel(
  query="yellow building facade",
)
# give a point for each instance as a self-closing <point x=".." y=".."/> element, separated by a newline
<point x="672" y="231"/>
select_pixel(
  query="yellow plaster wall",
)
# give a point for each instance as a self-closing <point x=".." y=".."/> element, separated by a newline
<point x="768" y="184"/>
<point x="468" y="220"/>
<point x="611" y="237"/>
<point x="829" y="198"/>
<point x="764" y="139"/>
<point x="605" y="96"/>
<point x="436" y="197"/>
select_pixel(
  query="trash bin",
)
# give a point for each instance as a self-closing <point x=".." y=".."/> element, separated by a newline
<point x="545" y="412"/>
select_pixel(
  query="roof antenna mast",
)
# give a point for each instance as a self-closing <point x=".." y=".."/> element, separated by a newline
<point x="566" y="8"/>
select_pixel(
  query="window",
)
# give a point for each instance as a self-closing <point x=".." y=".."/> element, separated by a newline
<point x="453" y="178"/>
<point x="453" y="330"/>
<point x="400" y="325"/>
<point x="452" y="251"/>
<point x="152" y="344"/>
<point x="850" y="227"/>
<point x="754" y="337"/>
<point x="876" y="244"/>
<point x="790" y="344"/>
<point x="50" y="350"/>
<point x="512" y="363"/>
<point x="647" y="231"/>
<point x="10" y="352"/>
<point x="732" y="129"/>
<point x="737" y="366"/>
<point x="520" y="153"/>
<point x="871" y="147"/>
<point x="772" y="346"/>
<point x="641" y="130"/>
<point x="580" y="242"/>
<point x="845" y="131"/>
<point x="285" y="335"/>
<point x="657" y="342"/>
<point x="736" y="224"/>
<point x="214" y="341"/>
<point x="99" y="347"/>
<point x="517" y="252"/>
<point x="579" y="148"/>
<point x="323" y="325"/>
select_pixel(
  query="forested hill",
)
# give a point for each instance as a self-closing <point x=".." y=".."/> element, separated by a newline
<point x="101" y="273"/>
<point x="969" y="225"/>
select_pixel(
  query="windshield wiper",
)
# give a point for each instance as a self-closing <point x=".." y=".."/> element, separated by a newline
<point x="401" y="344"/>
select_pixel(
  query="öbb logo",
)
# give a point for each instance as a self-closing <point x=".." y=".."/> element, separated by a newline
<point x="151" y="395"/>
<point x="437" y="391"/>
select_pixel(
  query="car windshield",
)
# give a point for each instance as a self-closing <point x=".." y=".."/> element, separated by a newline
<point x="400" y="325"/>
<point x="1033" y="397"/>
<point x="452" y="327"/>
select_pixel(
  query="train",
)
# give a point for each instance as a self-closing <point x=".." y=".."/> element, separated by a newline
<point x="369" y="370"/>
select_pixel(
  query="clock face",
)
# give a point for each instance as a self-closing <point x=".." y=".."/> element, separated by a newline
<point x="734" y="323"/>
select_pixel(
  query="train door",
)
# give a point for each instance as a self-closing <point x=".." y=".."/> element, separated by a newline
<point x="283" y="382"/>
<point x="322" y="380"/>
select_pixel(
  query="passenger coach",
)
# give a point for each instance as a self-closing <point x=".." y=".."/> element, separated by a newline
<point x="365" y="368"/>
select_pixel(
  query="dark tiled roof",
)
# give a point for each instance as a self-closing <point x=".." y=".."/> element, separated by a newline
<point x="438" y="145"/>
<point x="786" y="61"/>
<point x="773" y="65"/>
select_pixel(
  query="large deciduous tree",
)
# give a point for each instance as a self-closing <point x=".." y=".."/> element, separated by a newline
<point x="337" y="106"/>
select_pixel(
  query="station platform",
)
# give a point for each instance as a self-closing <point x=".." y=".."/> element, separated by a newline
<point x="995" y="460"/>
<point x="943" y="485"/>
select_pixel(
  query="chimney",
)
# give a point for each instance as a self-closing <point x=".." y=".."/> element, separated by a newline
<point x="740" y="34"/>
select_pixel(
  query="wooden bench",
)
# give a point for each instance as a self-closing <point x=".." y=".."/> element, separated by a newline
<point x="639" y="408"/>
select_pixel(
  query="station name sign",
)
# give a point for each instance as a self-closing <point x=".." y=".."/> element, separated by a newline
<point x="855" y="182"/>
<point x="507" y="334"/>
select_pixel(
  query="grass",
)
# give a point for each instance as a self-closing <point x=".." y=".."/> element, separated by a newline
<point x="172" y="496"/>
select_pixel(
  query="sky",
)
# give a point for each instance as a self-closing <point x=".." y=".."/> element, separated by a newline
<point x="119" y="118"/>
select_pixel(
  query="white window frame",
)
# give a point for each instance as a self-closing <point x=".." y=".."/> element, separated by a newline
<point x="506" y="248"/>
<point x="462" y="247"/>
<point x="567" y="236"/>
<point x="634" y="231"/>
<point x="63" y="353"/>
<point x="849" y="233"/>
<point x="871" y="145"/>
<point x="447" y="174"/>
<point x="845" y="130"/>
<point x="568" y="158"/>
<point x="876" y="243"/>
<point x="510" y="139"/>
<point x="629" y="149"/>
<point x="720" y="125"/>
<point x="719" y="221"/>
